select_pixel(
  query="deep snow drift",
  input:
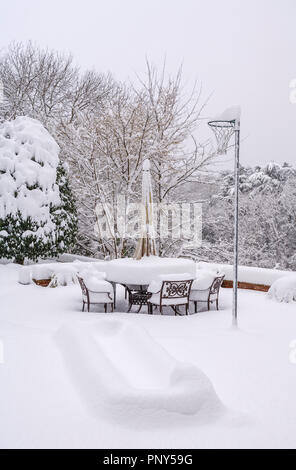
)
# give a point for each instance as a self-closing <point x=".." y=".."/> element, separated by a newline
<point x="284" y="289"/>
<point x="128" y="372"/>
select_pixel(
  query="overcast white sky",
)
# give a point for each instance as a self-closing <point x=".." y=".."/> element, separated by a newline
<point x="244" y="51"/>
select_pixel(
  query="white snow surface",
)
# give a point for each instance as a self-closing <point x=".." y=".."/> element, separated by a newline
<point x="147" y="269"/>
<point x="252" y="370"/>
<point x="64" y="274"/>
<point x="98" y="285"/>
<point x="127" y="372"/>
<point x="229" y="114"/>
<point x="25" y="275"/>
<point x="245" y="273"/>
<point x="283" y="289"/>
<point x="204" y="280"/>
<point x="28" y="157"/>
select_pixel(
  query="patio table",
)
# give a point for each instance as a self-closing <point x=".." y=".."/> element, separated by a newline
<point x="142" y="289"/>
<point x="132" y="272"/>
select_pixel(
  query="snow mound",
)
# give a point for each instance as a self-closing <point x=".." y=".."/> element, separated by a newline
<point x="28" y="161"/>
<point x="156" y="284"/>
<point x="249" y="274"/>
<point x="147" y="269"/>
<point x="65" y="274"/>
<point x="230" y="114"/>
<point x="60" y="274"/>
<point x="204" y="280"/>
<point x="24" y="275"/>
<point x="283" y="289"/>
<point x="119" y="367"/>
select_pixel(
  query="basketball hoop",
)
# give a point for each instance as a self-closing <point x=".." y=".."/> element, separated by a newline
<point x="224" y="127"/>
<point x="223" y="135"/>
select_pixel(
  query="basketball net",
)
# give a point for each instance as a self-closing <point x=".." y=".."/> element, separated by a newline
<point x="223" y="136"/>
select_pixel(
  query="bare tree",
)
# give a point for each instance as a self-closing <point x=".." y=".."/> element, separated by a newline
<point x="46" y="85"/>
<point x="105" y="130"/>
<point x="148" y="120"/>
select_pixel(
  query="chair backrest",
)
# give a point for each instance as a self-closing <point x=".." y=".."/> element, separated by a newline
<point x="175" y="289"/>
<point x="83" y="286"/>
<point x="216" y="284"/>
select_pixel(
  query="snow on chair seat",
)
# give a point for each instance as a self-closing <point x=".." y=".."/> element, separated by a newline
<point x="120" y="369"/>
<point x="206" y="289"/>
<point x="96" y="291"/>
<point x="173" y="292"/>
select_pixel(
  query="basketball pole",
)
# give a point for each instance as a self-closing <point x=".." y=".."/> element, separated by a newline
<point x="236" y="194"/>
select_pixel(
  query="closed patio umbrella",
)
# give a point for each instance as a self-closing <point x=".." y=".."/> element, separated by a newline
<point x="146" y="243"/>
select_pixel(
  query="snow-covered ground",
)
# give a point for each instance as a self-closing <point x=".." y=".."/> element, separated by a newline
<point x="253" y="372"/>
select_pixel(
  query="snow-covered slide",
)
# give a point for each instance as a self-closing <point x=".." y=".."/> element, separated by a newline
<point x="118" y="366"/>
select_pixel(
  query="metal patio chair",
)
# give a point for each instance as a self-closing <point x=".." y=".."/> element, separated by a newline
<point x="91" y="297"/>
<point x="209" y="295"/>
<point x="172" y="294"/>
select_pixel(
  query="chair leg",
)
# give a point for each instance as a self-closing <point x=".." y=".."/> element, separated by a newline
<point x="186" y="309"/>
<point x="105" y="308"/>
<point x="129" y="308"/>
<point x="160" y="309"/>
<point x="112" y="307"/>
<point x="217" y="306"/>
<point x="208" y="304"/>
<point x="88" y="306"/>
<point x="82" y="306"/>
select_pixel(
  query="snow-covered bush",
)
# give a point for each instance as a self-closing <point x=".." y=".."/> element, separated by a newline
<point x="267" y="230"/>
<point x="267" y="179"/>
<point x="30" y="203"/>
<point x="65" y="215"/>
<point x="283" y="289"/>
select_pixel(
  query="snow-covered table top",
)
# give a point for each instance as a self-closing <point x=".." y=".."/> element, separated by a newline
<point x="145" y="270"/>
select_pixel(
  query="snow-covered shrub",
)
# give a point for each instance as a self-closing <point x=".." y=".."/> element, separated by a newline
<point x="268" y="179"/>
<point x="267" y="229"/>
<point x="30" y="202"/>
<point x="283" y="289"/>
<point x="65" y="215"/>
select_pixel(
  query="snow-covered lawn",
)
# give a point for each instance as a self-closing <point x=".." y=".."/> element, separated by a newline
<point x="250" y="370"/>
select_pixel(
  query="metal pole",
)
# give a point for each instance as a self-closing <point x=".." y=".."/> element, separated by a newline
<point x="236" y="192"/>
